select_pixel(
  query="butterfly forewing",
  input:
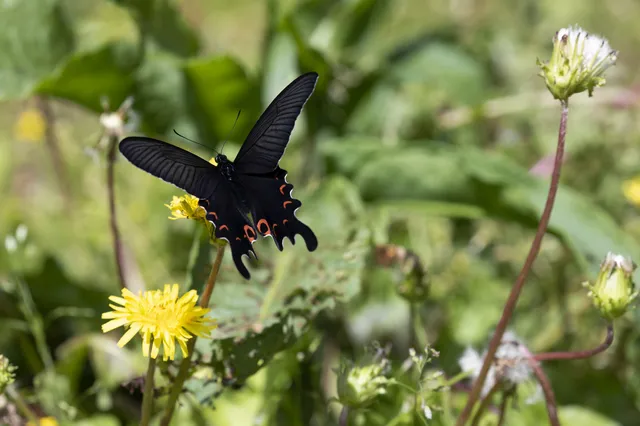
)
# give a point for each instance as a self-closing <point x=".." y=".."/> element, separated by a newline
<point x="175" y="165"/>
<point x="265" y="145"/>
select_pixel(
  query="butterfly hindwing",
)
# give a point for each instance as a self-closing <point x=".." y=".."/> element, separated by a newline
<point x="273" y="208"/>
<point x="232" y="223"/>
<point x="172" y="164"/>
<point x="262" y="150"/>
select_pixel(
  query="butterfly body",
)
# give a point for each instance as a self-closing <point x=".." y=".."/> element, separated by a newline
<point x="246" y="197"/>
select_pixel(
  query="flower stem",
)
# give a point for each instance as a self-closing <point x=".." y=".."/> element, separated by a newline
<point x="344" y="416"/>
<point x="15" y="396"/>
<point x="548" y="356"/>
<point x="51" y="140"/>
<point x="549" y="397"/>
<point x="176" y="389"/>
<point x="484" y="404"/>
<point x="147" y="399"/>
<point x="503" y="409"/>
<point x="510" y="305"/>
<point x="113" y="221"/>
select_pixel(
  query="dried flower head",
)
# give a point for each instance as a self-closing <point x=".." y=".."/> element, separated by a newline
<point x="614" y="289"/>
<point x="161" y="318"/>
<point x="578" y="63"/>
<point x="510" y="366"/>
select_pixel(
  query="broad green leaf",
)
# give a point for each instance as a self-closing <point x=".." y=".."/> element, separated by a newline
<point x="159" y="95"/>
<point x="88" y="76"/>
<point x="34" y="40"/>
<point x="577" y="415"/>
<point x="496" y="184"/>
<point x="218" y="88"/>
<point x="260" y="317"/>
<point x="162" y="21"/>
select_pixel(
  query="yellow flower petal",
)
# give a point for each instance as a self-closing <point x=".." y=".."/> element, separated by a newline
<point x="129" y="334"/>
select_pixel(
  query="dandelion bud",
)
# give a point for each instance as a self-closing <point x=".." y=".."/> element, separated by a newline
<point x="7" y="375"/>
<point x="578" y="63"/>
<point x="614" y="289"/>
<point x="359" y="386"/>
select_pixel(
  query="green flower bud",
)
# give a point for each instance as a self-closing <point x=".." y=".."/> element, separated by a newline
<point x="614" y="289"/>
<point x="578" y="63"/>
<point x="7" y="375"/>
<point x="359" y="386"/>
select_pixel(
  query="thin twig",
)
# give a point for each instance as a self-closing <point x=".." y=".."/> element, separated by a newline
<point x="510" y="305"/>
<point x="53" y="146"/>
<point x="484" y="404"/>
<point x="548" y="356"/>
<point x="183" y="371"/>
<point x="113" y="220"/>
<point x="549" y="397"/>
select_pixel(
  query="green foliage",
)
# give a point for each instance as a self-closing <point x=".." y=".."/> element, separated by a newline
<point x="419" y="137"/>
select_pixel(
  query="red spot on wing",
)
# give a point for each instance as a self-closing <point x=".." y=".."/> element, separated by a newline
<point x="223" y="227"/>
<point x="282" y="187"/>
<point x="238" y="238"/>
<point x="260" y="224"/>
<point x="284" y="222"/>
<point x="251" y="237"/>
<point x="284" y="205"/>
<point x="215" y="216"/>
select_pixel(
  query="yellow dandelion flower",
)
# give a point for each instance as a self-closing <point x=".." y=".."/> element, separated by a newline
<point x="161" y="318"/>
<point x="631" y="190"/>
<point x="45" y="421"/>
<point x="30" y="126"/>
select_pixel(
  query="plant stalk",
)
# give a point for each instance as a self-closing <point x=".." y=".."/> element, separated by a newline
<point x="113" y="220"/>
<point x="183" y="372"/>
<point x="343" y="420"/>
<point x="15" y="396"/>
<point x="147" y="399"/>
<point x="548" y="356"/>
<point x="510" y="305"/>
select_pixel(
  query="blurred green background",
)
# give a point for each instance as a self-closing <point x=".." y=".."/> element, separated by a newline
<point x="429" y="129"/>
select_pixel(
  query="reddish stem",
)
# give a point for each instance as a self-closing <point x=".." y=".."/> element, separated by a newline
<point x="549" y="397"/>
<point x="510" y="305"/>
<point x="548" y="356"/>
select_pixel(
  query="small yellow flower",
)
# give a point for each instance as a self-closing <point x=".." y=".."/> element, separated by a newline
<point x="30" y="126"/>
<point x="631" y="190"/>
<point x="186" y="207"/>
<point x="45" y="421"/>
<point x="161" y="318"/>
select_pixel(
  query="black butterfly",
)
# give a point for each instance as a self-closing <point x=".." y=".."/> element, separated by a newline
<point x="247" y="196"/>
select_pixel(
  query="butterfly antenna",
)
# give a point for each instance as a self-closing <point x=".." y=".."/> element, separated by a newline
<point x="191" y="140"/>
<point x="231" y="131"/>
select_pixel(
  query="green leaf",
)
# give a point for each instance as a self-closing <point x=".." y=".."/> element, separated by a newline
<point x="88" y="76"/>
<point x="263" y="316"/>
<point x="34" y="40"/>
<point x="162" y="21"/>
<point x="466" y="175"/>
<point x="218" y="89"/>
<point x="159" y="95"/>
<point x="577" y="415"/>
